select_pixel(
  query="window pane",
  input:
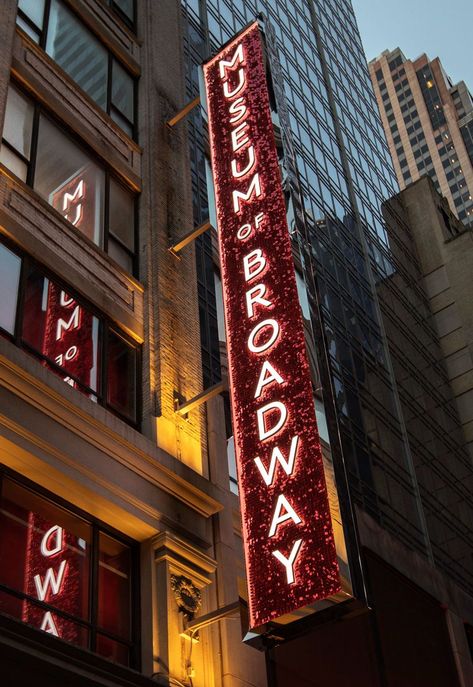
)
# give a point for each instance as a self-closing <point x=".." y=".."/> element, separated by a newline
<point x="45" y="554"/>
<point x="120" y="255"/>
<point x="34" y="10"/>
<point x="13" y="162"/>
<point x="122" y="90"/>
<point x="67" y="178"/>
<point x="114" y="586"/>
<point x="61" y="329"/>
<point x="121" y="381"/>
<point x="112" y="650"/>
<point x="32" y="33"/>
<point x="126" y="6"/>
<point x="10" y="266"/>
<point x="18" y="122"/>
<point x="78" y="52"/>
<point x="121" y="121"/>
<point x="122" y="214"/>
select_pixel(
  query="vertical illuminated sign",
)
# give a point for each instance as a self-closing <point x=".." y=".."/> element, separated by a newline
<point x="289" y="547"/>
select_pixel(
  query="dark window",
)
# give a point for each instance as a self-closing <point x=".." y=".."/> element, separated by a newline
<point x="126" y="10"/>
<point x="51" y="556"/>
<point x="82" y="56"/>
<point x="395" y="63"/>
<point x="69" y="178"/>
<point x="121" y="375"/>
<point x="379" y="74"/>
<point x="68" y="336"/>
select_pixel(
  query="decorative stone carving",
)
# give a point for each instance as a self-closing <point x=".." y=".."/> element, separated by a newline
<point x="188" y="597"/>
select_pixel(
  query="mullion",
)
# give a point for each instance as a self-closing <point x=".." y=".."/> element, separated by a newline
<point x="118" y="240"/>
<point x="106" y="217"/>
<point x="44" y="605"/>
<point x="109" y="81"/>
<point x="24" y="159"/>
<point x="31" y="24"/>
<point x="20" y="300"/>
<point x="30" y="177"/>
<point x="93" y="588"/>
<point x="60" y="370"/>
<point x="44" y="32"/>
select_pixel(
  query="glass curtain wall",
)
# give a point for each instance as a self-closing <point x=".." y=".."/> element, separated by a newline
<point x="346" y="174"/>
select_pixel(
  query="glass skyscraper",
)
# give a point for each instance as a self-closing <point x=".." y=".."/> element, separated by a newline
<point x="387" y="402"/>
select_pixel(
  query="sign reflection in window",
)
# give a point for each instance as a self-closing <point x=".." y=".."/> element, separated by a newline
<point x="75" y="200"/>
<point x="53" y="574"/>
<point x="62" y="330"/>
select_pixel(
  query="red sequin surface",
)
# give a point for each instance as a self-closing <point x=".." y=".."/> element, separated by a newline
<point x="316" y="576"/>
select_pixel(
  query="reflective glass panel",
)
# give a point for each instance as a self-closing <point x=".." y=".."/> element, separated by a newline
<point x="34" y="10"/>
<point x="61" y="329"/>
<point x="114" y="586"/>
<point x="122" y="91"/>
<point x="121" y="381"/>
<point x="78" y="52"/>
<point x="18" y="122"/>
<point x="10" y="266"/>
<point x="67" y="178"/>
<point x="45" y="555"/>
<point x="122" y="215"/>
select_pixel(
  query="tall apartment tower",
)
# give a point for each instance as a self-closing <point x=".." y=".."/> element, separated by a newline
<point x="428" y="122"/>
<point x="121" y="550"/>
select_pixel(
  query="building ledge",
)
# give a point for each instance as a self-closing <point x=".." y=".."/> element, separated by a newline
<point x="28" y="655"/>
<point x="71" y="444"/>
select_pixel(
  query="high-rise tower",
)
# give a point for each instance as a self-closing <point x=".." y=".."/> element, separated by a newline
<point x="428" y="122"/>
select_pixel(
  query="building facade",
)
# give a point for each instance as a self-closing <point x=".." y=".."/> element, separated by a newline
<point x="120" y="518"/>
<point x="428" y="122"/>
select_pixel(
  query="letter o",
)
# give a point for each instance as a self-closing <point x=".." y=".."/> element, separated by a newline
<point x="71" y="353"/>
<point x="244" y="231"/>
<point x="254" y="332"/>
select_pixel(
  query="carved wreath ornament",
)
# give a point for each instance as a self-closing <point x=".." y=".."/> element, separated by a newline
<point x="188" y="597"/>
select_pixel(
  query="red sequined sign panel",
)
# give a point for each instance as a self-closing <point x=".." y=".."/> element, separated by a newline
<point x="290" y="553"/>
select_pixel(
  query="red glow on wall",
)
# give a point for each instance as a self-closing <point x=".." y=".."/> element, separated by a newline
<point x="290" y="553"/>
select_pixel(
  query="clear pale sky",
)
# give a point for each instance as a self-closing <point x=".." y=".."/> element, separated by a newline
<point x="440" y="28"/>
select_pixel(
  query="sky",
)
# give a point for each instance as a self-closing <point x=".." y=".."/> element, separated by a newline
<point x="440" y="28"/>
